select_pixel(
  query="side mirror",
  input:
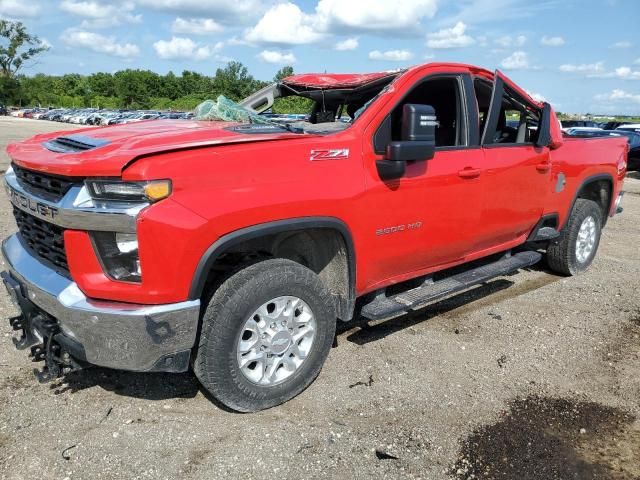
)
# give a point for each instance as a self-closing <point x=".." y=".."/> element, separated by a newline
<point x="418" y="141"/>
<point x="544" y="128"/>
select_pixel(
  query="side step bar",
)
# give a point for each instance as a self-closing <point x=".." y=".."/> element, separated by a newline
<point x="383" y="307"/>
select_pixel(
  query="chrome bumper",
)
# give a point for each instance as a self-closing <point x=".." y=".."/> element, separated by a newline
<point x="115" y="335"/>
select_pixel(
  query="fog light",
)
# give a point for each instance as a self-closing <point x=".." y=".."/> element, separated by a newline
<point x="127" y="242"/>
<point x="118" y="254"/>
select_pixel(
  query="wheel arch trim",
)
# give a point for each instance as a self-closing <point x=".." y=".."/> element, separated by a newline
<point x="229" y="240"/>
<point x="586" y="182"/>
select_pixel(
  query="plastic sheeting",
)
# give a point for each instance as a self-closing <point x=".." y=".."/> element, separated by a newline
<point x="226" y="110"/>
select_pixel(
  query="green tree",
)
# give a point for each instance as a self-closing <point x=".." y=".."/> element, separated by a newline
<point x="132" y="92"/>
<point x="284" y="72"/>
<point x="235" y="82"/>
<point x="17" y="46"/>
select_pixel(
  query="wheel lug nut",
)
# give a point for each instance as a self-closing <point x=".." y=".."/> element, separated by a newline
<point x="273" y="325"/>
<point x="264" y="335"/>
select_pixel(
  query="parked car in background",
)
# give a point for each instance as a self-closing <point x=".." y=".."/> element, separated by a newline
<point x="630" y="127"/>
<point x="95" y="116"/>
<point x="613" y="125"/>
<point x="578" y="123"/>
<point x="3" y="110"/>
<point x="577" y="130"/>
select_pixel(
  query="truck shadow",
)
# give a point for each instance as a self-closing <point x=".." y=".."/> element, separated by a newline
<point x="148" y="386"/>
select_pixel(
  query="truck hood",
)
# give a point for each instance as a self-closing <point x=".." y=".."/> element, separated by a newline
<point x="106" y="151"/>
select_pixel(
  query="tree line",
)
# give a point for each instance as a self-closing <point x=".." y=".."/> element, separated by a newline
<point x="139" y="89"/>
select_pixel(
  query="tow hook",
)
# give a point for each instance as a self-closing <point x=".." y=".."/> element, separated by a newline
<point x="44" y="347"/>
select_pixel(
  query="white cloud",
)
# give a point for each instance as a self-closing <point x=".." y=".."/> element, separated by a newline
<point x="348" y="44"/>
<point x="552" y="41"/>
<point x="222" y="10"/>
<point x="536" y="96"/>
<point x="597" y="70"/>
<point x="286" y="24"/>
<point x="18" y="9"/>
<point x="516" y="61"/>
<point x="507" y="41"/>
<point x="453" y="37"/>
<point x="280" y="58"/>
<point x="99" y="43"/>
<point x="585" y="68"/>
<point x="391" y="55"/>
<point x="624" y="44"/>
<point x="399" y="16"/>
<point x="618" y="95"/>
<point x="195" y="26"/>
<point x="626" y="73"/>
<point x="98" y="14"/>
<point x="182" y="48"/>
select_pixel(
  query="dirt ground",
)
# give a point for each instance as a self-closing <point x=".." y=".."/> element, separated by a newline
<point x="531" y="376"/>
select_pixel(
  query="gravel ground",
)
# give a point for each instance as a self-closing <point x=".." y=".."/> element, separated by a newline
<point x="531" y="376"/>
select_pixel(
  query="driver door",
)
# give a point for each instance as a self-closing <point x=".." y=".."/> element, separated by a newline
<point x="428" y="217"/>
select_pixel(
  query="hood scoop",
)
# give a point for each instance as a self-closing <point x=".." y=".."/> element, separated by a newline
<point x="74" y="144"/>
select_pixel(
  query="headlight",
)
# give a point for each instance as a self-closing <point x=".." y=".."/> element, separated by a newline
<point x="118" y="253"/>
<point x="129" y="191"/>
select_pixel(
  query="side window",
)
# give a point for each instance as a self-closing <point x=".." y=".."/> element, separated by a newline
<point x="483" y="89"/>
<point x="444" y="95"/>
<point x="515" y="120"/>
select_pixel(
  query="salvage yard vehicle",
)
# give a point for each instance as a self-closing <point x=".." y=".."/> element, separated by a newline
<point x="232" y="248"/>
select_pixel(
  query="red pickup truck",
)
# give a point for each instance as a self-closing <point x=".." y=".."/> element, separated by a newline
<point x="233" y="248"/>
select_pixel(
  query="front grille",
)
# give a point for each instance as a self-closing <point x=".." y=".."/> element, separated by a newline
<point x="45" y="240"/>
<point x="44" y="185"/>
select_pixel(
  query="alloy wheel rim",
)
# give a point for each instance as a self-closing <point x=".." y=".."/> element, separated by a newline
<point x="586" y="241"/>
<point x="276" y="340"/>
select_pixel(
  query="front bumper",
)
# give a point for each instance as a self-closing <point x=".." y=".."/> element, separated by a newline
<point x="109" y="334"/>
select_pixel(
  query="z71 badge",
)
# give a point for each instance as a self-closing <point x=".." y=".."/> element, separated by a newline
<point x="333" y="154"/>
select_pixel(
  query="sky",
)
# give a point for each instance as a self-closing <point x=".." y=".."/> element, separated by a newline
<point x="580" y="55"/>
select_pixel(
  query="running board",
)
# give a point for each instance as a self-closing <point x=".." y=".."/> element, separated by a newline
<point x="383" y="307"/>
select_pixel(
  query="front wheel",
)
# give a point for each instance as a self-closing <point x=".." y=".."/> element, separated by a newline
<point x="265" y="335"/>
<point x="577" y="246"/>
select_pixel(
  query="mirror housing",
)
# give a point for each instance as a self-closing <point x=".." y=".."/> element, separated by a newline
<point x="418" y="141"/>
<point x="544" y="128"/>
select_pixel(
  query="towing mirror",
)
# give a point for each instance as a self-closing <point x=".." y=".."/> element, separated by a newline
<point x="544" y="128"/>
<point x="418" y="141"/>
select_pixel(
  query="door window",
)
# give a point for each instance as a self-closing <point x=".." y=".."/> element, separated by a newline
<point x="444" y="95"/>
<point x="512" y="121"/>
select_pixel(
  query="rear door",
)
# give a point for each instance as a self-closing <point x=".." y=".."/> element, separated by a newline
<point x="516" y="173"/>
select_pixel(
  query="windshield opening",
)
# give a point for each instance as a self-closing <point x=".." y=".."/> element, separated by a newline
<point x="312" y="108"/>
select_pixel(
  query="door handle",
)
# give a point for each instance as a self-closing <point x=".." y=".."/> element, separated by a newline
<point x="469" y="172"/>
<point x="543" y="167"/>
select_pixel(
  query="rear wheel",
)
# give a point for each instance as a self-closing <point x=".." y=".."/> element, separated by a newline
<point x="265" y="335"/>
<point x="576" y="248"/>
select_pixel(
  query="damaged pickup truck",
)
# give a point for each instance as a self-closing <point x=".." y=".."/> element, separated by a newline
<point x="232" y="248"/>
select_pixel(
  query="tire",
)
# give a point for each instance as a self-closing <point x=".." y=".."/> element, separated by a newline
<point x="563" y="256"/>
<point x="232" y="314"/>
